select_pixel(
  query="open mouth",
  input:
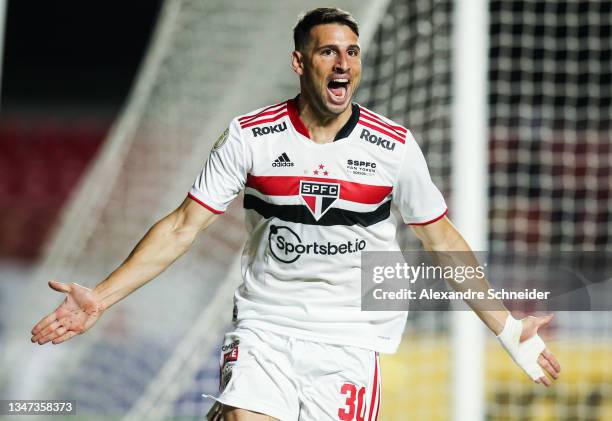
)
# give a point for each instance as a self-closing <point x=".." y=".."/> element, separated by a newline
<point x="338" y="88"/>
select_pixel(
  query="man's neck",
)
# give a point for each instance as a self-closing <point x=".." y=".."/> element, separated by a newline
<point x="322" y="128"/>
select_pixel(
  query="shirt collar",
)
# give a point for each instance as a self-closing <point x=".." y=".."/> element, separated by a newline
<point x="297" y="122"/>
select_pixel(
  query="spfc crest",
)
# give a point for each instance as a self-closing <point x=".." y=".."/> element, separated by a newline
<point x="319" y="196"/>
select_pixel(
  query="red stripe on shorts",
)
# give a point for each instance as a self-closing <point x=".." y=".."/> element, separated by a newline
<point x="374" y="391"/>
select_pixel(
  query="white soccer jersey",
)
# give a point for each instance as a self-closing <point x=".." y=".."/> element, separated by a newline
<point x="311" y="209"/>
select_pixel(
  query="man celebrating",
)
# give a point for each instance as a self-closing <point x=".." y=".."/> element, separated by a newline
<point x="319" y="175"/>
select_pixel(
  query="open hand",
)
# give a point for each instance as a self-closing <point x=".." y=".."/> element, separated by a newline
<point x="546" y="359"/>
<point x="79" y="311"/>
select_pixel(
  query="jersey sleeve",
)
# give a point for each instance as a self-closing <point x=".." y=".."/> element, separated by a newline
<point x="416" y="196"/>
<point x="224" y="173"/>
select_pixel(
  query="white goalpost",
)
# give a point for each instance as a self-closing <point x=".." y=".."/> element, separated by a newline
<point x="469" y="192"/>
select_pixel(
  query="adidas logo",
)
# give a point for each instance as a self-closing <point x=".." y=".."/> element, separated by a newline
<point x="282" y="161"/>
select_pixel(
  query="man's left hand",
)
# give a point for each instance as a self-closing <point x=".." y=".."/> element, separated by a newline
<point x="546" y="359"/>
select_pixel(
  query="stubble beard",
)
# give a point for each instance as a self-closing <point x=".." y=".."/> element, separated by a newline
<point x="316" y="99"/>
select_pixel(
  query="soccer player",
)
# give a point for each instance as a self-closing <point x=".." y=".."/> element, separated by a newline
<point x="319" y="175"/>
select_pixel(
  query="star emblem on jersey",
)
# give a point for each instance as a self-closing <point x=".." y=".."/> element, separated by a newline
<point x="320" y="170"/>
<point x="319" y="196"/>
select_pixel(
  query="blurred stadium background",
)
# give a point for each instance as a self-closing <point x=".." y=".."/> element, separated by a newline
<point x="85" y="168"/>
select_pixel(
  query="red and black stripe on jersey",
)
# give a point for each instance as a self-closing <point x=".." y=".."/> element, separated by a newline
<point x="289" y="108"/>
<point x="267" y="115"/>
<point x="368" y="119"/>
<point x="288" y="186"/>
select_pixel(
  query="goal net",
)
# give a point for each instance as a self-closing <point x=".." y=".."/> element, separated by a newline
<point x="407" y="77"/>
<point x="550" y="174"/>
<point x="550" y="91"/>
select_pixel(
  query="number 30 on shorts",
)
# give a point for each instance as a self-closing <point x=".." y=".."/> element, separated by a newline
<point x="353" y="409"/>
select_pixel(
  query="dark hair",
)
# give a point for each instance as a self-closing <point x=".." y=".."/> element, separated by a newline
<point x="320" y="16"/>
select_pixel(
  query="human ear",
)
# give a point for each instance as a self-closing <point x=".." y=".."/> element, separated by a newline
<point x="297" y="63"/>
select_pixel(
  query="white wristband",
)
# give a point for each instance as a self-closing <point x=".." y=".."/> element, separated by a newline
<point x="525" y="353"/>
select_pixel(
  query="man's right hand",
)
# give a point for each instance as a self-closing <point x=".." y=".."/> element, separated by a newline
<point x="80" y="310"/>
<point x="165" y="242"/>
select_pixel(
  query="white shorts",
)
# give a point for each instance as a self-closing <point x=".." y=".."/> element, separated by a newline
<point x="298" y="380"/>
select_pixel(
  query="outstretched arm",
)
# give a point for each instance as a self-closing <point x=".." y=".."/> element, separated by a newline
<point x="445" y="240"/>
<point x="165" y="242"/>
<point x="519" y="337"/>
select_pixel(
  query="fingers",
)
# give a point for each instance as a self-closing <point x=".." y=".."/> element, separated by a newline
<point x="552" y="360"/>
<point x="57" y="330"/>
<point x="544" y="380"/>
<point x="548" y="367"/>
<point x="546" y="319"/>
<point x="51" y="332"/>
<point x="43" y="323"/>
<point x="46" y="331"/>
<point x="549" y="363"/>
<point x="59" y="287"/>
<point x="60" y="331"/>
<point x="43" y="327"/>
<point x="64" y="337"/>
<point x="543" y="321"/>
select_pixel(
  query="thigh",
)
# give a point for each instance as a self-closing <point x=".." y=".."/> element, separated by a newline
<point x="345" y="387"/>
